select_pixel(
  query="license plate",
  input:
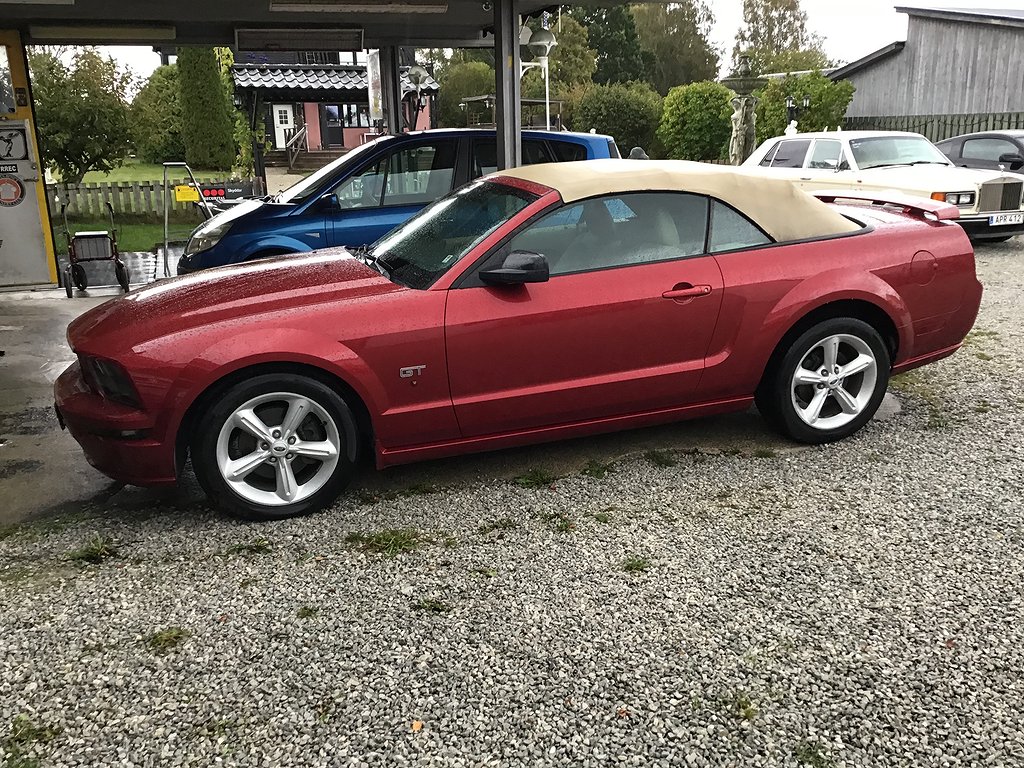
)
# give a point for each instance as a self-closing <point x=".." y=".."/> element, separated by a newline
<point x="1005" y="218"/>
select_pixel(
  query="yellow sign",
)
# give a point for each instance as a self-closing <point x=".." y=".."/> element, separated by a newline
<point x="185" y="193"/>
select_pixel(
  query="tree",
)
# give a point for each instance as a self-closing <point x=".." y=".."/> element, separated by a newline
<point x="630" y="113"/>
<point x="207" y="117"/>
<point x="81" y="112"/>
<point x="677" y="37"/>
<point x="828" y="103"/>
<point x="156" y="118"/>
<point x="612" y="33"/>
<point x="695" y="124"/>
<point x="775" y="36"/>
<point x="472" y="78"/>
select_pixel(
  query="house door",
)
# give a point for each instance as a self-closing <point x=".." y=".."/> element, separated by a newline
<point x="284" y="122"/>
<point x="334" y="124"/>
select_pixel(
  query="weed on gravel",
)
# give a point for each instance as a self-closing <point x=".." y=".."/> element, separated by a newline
<point x="250" y="548"/>
<point x="635" y="564"/>
<point x="558" y="521"/>
<point x="95" y="550"/>
<point x="25" y="735"/>
<point x="307" y="612"/>
<point x="661" y="458"/>
<point x="604" y="515"/>
<point x="810" y="753"/>
<point x="430" y="605"/>
<point x="368" y="497"/>
<point x="764" y="453"/>
<point x="535" y="478"/>
<point x="501" y="524"/>
<point x="919" y="386"/>
<point x="741" y="706"/>
<point x="597" y="469"/>
<point x="166" y="640"/>
<point x="389" y="542"/>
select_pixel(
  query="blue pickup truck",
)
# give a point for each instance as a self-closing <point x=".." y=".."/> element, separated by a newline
<point x="368" y="192"/>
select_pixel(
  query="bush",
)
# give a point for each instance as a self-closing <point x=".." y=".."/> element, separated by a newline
<point x="696" y="122"/>
<point x="156" y="118"/>
<point x="207" y="119"/>
<point x="629" y="113"/>
<point x="829" y="102"/>
<point x="470" y="78"/>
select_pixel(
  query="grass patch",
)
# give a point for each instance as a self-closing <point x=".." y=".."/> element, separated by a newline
<point x="661" y="458"/>
<point x="501" y="524"/>
<point x="24" y="735"/>
<point x="980" y="334"/>
<point x="389" y="542"/>
<point x="635" y="564"/>
<point x="984" y="356"/>
<point x="97" y="549"/>
<point x="366" y="496"/>
<point x="166" y="640"/>
<point x="604" y="516"/>
<point x="133" y="234"/>
<point x="216" y="728"/>
<point x="765" y="453"/>
<point x="983" y="406"/>
<point x="430" y="605"/>
<point x="597" y="469"/>
<point x="916" y="385"/>
<point x="535" y="478"/>
<point x="810" y="753"/>
<point x="136" y="170"/>
<point x="486" y="572"/>
<point x="558" y="521"/>
<point x="307" y="612"/>
<point x="250" y="548"/>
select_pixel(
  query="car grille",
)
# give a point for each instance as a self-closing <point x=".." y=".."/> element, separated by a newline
<point x="1000" y="195"/>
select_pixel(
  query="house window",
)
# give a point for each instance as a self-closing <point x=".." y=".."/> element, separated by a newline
<point x="317" y="58"/>
<point x="283" y="118"/>
<point x="356" y="115"/>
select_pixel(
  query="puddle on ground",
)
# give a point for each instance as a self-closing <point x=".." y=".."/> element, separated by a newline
<point x="18" y="467"/>
<point x="30" y="421"/>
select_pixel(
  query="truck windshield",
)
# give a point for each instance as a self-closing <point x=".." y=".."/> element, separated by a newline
<point x="422" y="249"/>
<point x="309" y="186"/>
<point x="883" y="151"/>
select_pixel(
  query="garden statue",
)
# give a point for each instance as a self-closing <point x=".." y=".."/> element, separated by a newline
<point x="743" y="140"/>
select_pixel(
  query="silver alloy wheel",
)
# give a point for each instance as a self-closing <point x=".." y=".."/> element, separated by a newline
<point x="834" y="381"/>
<point x="278" y="449"/>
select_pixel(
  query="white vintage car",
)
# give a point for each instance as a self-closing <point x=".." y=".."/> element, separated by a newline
<point x="990" y="202"/>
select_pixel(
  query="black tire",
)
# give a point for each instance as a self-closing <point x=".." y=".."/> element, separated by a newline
<point x="779" y="400"/>
<point x="123" y="276"/>
<point x="79" y="277"/>
<point x="207" y="434"/>
<point x="69" y="289"/>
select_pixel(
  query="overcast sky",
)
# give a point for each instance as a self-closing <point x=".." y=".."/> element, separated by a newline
<point x="851" y="28"/>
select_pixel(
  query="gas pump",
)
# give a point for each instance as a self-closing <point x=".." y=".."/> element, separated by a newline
<point x="26" y="242"/>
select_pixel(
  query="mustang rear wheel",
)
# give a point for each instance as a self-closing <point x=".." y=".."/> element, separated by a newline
<point x="275" y="446"/>
<point x="828" y="384"/>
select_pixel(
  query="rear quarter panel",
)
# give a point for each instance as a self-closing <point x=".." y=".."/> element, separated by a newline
<point x="920" y="273"/>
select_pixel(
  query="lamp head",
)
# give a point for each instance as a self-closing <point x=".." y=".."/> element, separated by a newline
<point x="541" y="42"/>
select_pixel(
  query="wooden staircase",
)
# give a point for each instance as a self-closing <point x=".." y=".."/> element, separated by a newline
<point x="305" y="162"/>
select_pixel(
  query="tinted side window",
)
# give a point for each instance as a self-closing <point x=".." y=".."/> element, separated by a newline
<point x="769" y="156"/>
<point x="731" y="230"/>
<point x="420" y="174"/>
<point x="988" y="149"/>
<point x="485" y="155"/>
<point x="362" y="189"/>
<point x="568" y="151"/>
<point x="791" y="153"/>
<point x="618" y="231"/>
<point x="947" y="147"/>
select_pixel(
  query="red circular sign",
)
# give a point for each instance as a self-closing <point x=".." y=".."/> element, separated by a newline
<point x="11" y="191"/>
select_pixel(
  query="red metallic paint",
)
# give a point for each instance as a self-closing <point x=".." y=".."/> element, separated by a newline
<point x="578" y="355"/>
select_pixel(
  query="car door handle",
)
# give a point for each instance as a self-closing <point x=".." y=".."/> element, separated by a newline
<point x="686" y="291"/>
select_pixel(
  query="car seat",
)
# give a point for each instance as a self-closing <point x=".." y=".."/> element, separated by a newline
<point x="595" y="244"/>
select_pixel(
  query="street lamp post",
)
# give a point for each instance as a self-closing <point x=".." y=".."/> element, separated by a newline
<point x="540" y="44"/>
<point x="792" y="111"/>
<point x="418" y="77"/>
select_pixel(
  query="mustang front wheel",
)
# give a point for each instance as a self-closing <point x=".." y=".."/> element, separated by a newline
<point x="275" y="446"/>
<point x="829" y="383"/>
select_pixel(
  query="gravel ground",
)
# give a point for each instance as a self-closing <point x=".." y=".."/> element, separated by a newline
<point x="853" y="605"/>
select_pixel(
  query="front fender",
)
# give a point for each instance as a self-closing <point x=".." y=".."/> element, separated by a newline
<point x="273" y="242"/>
<point x="278" y="346"/>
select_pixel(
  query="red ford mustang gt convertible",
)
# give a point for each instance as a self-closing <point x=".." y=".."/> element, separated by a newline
<point x="536" y="304"/>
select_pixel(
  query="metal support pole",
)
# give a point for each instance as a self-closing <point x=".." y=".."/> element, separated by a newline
<point x="547" y="95"/>
<point x="391" y="85"/>
<point x="507" y="71"/>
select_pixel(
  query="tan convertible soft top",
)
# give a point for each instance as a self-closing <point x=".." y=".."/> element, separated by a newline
<point x="774" y="204"/>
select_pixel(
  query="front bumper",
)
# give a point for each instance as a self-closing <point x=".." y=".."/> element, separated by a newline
<point x="100" y="427"/>
<point x="978" y="228"/>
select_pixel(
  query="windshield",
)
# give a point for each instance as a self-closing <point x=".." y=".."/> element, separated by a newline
<point x="881" y="151"/>
<point x="422" y="249"/>
<point x="303" y="190"/>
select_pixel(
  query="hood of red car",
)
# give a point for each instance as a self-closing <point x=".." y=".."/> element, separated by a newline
<point x="284" y="284"/>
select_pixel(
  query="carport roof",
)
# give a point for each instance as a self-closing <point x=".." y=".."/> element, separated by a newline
<point x="321" y="79"/>
<point x="420" y="23"/>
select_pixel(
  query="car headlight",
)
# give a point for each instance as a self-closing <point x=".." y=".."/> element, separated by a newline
<point x="954" y="198"/>
<point x="110" y="380"/>
<point x="206" y="237"/>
